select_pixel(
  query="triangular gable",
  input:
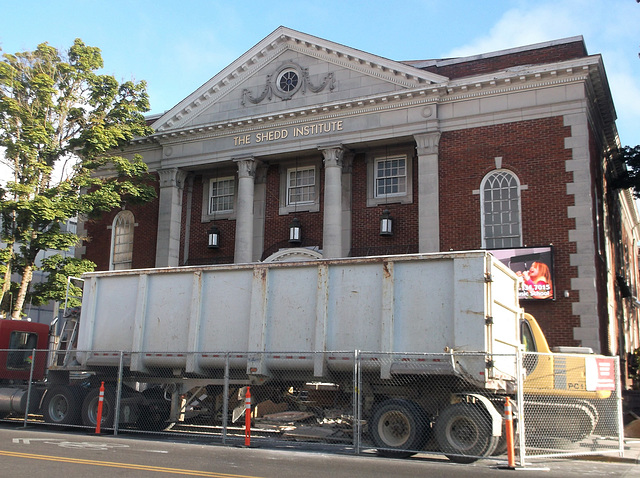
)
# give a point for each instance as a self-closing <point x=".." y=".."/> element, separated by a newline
<point x="257" y="61"/>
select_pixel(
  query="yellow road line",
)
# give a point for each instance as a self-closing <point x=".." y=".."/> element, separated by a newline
<point x="129" y="466"/>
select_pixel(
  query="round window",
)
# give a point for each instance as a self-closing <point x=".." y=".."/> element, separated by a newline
<point x="288" y="80"/>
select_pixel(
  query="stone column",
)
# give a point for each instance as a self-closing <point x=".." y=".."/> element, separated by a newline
<point x="332" y="231"/>
<point x="169" y="217"/>
<point x="428" y="192"/>
<point x="244" y="217"/>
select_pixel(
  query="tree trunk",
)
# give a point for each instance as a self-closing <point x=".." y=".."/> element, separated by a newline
<point x="6" y="284"/>
<point x="27" y="275"/>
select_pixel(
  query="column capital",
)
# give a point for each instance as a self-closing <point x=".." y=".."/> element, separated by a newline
<point x="247" y="166"/>
<point x="427" y="143"/>
<point x="332" y="155"/>
<point x="172" y="177"/>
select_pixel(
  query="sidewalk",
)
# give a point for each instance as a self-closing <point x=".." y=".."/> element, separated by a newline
<point x="631" y="450"/>
<point x="631" y="454"/>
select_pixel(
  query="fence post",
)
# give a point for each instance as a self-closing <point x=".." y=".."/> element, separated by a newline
<point x="116" y="414"/>
<point x="26" y="412"/>
<point x="619" y="406"/>
<point x="356" y="402"/>
<point x="520" y="406"/>
<point x="225" y="399"/>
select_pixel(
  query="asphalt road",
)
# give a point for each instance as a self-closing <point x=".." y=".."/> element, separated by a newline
<point x="35" y="452"/>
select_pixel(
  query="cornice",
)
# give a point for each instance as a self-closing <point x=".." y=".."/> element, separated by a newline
<point x="508" y="85"/>
<point x="401" y="77"/>
<point x="318" y="113"/>
<point x="503" y="82"/>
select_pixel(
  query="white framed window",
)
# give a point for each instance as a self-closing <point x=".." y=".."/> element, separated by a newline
<point x="122" y="241"/>
<point x="389" y="176"/>
<point x="221" y="195"/>
<point x="501" y="210"/>
<point x="301" y="185"/>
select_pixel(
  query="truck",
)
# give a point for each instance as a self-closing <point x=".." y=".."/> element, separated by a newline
<point x="434" y="335"/>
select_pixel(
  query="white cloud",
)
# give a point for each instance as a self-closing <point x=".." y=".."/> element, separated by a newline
<point x="526" y="26"/>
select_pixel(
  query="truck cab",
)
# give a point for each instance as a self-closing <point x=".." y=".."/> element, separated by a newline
<point x="18" y="340"/>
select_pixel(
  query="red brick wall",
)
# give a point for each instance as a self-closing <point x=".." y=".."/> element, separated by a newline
<point x="98" y="241"/>
<point x="199" y="253"/>
<point x="98" y="246"/>
<point x="366" y="238"/>
<point x="276" y="234"/>
<point x="549" y="54"/>
<point x="534" y="151"/>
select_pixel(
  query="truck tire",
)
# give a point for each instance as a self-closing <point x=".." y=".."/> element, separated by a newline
<point x="501" y="441"/>
<point x="398" y="426"/>
<point x="61" y="405"/>
<point x="90" y="408"/>
<point x="464" y="433"/>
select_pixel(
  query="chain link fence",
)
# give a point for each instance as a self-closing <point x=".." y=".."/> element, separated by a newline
<point x="395" y="404"/>
<point x="571" y="404"/>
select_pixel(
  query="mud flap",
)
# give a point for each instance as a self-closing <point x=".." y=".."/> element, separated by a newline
<point x="496" y="417"/>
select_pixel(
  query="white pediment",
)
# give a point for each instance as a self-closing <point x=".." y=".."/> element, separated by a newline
<point x="323" y="73"/>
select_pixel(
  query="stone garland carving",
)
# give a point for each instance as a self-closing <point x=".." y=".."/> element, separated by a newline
<point x="270" y="89"/>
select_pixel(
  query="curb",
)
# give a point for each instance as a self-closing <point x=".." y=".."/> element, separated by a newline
<point x="610" y="459"/>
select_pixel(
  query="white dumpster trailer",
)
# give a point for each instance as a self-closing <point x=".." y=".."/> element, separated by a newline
<point x="410" y="304"/>
<point x="447" y="324"/>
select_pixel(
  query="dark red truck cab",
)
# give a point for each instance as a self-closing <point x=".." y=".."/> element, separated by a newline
<point x="18" y="339"/>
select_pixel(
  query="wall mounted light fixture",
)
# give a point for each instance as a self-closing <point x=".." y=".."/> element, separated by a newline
<point x="386" y="223"/>
<point x="213" y="237"/>
<point x="295" y="232"/>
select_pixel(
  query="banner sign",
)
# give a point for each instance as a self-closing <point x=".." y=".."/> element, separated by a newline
<point x="601" y="373"/>
<point x="534" y="267"/>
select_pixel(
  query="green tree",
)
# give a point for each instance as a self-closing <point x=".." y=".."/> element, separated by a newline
<point x="629" y="158"/>
<point x="57" y="113"/>
<point x="58" y="269"/>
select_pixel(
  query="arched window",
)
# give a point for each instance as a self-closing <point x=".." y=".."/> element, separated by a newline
<point x="500" y="208"/>
<point x="122" y="241"/>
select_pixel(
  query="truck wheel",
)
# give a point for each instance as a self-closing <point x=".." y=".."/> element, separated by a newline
<point x="90" y="408"/>
<point x="464" y="433"/>
<point x="155" y="413"/>
<point x="61" y="406"/>
<point x="398" y="426"/>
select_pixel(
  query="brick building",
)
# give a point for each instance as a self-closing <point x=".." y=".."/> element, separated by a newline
<point x="508" y="151"/>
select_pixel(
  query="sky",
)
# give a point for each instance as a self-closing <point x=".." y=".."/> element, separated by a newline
<point x="177" y="46"/>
